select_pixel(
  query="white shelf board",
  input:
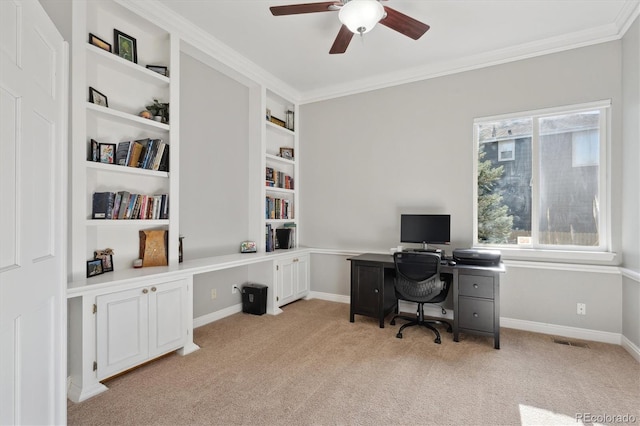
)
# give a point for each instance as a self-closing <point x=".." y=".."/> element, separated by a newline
<point x="114" y="61"/>
<point x="127" y="222"/>
<point x="126" y="117"/>
<point x="114" y="168"/>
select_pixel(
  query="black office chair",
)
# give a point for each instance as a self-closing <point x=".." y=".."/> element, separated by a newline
<point x="418" y="280"/>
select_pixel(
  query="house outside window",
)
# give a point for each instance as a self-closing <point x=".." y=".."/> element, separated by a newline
<point x="552" y="193"/>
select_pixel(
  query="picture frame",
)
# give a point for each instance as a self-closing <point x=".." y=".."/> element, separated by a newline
<point x="107" y="262"/>
<point x="107" y="153"/>
<point x="94" y="151"/>
<point x="160" y="69"/>
<point x="98" y="98"/>
<point x="94" y="268"/>
<point x="248" y="247"/>
<point x="98" y="42"/>
<point x="286" y="152"/>
<point x="125" y="46"/>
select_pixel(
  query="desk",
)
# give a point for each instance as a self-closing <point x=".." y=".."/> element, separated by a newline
<point x="476" y="294"/>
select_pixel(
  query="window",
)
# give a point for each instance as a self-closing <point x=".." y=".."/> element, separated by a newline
<point x="540" y="179"/>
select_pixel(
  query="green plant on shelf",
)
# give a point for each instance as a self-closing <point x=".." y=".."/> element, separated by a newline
<point x="159" y="109"/>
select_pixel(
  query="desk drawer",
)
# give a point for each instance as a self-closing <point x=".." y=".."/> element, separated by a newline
<point x="475" y="286"/>
<point x="475" y="314"/>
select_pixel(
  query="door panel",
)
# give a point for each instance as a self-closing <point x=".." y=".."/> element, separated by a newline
<point x="167" y="327"/>
<point x="33" y="210"/>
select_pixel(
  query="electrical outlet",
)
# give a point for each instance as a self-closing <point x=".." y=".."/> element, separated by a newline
<point x="234" y="289"/>
<point x="581" y="309"/>
<point x="214" y="293"/>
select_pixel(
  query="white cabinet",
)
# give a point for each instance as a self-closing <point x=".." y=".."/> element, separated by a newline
<point x="292" y="279"/>
<point x="139" y="324"/>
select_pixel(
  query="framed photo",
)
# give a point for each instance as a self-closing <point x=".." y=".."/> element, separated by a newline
<point x="107" y="153"/>
<point x="286" y="153"/>
<point x="159" y="69"/>
<point x="97" y="98"/>
<point x="125" y="46"/>
<point x="107" y="262"/>
<point x="94" y="267"/>
<point x="94" y="151"/>
<point x="97" y="41"/>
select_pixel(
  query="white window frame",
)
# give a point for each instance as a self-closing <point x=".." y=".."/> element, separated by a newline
<point x="535" y="250"/>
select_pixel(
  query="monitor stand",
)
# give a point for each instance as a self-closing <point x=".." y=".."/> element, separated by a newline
<point x="425" y="248"/>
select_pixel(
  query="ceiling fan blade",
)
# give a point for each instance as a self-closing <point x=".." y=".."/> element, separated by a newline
<point x="342" y="40"/>
<point x="403" y="24"/>
<point x="295" y="9"/>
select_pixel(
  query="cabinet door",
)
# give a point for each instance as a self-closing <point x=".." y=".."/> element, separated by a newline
<point x="302" y="276"/>
<point x="286" y="278"/>
<point x="366" y="287"/>
<point x="167" y="323"/>
<point x="121" y="331"/>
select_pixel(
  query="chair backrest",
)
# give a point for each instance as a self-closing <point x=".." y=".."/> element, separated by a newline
<point x="418" y="277"/>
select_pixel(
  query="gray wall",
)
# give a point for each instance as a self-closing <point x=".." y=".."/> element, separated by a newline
<point x="214" y="148"/>
<point x="631" y="198"/>
<point x="367" y="158"/>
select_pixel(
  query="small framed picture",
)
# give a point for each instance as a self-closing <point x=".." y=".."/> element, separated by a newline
<point x="107" y="152"/>
<point x="107" y="262"/>
<point x="97" y="98"/>
<point x="97" y="41"/>
<point x="94" y="267"/>
<point x="159" y="69"/>
<point x="286" y="153"/>
<point x="94" y="151"/>
<point x="125" y="46"/>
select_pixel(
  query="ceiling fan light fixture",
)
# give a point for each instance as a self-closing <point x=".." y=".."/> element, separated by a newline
<point x="360" y="16"/>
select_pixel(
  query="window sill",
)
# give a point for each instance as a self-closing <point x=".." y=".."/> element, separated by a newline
<point x="558" y="256"/>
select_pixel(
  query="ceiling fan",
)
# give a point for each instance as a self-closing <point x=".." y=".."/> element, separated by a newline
<point x="357" y="17"/>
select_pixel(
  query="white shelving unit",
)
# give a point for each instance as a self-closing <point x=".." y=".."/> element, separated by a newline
<point x="276" y="137"/>
<point x="129" y="87"/>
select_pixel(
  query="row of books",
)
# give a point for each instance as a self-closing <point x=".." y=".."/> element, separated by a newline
<point x="278" y="179"/>
<point x="150" y="154"/>
<point x="278" y="208"/>
<point x="280" y="238"/>
<point x="124" y="205"/>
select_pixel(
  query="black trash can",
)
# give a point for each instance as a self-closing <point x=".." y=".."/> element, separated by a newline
<point x="254" y="299"/>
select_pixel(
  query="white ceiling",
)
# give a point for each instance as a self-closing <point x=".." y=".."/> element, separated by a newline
<point x="464" y="34"/>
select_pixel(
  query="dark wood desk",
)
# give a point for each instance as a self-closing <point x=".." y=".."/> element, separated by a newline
<point x="476" y="294"/>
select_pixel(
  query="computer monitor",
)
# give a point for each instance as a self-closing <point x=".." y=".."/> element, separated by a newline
<point x="425" y="229"/>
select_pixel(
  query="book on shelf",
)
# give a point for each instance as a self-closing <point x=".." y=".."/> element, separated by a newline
<point x="278" y="179"/>
<point x="158" y="156"/>
<point x="102" y="205"/>
<point x="269" y="238"/>
<point x="278" y="208"/>
<point x="164" y="161"/>
<point x="122" y="153"/>
<point x="136" y="151"/>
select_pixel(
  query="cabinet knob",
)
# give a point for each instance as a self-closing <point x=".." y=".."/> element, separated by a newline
<point x="145" y="291"/>
<point x="376" y="290"/>
<point x="295" y="260"/>
<point x="475" y="286"/>
<point x="475" y="315"/>
<point x="153" y="289"/>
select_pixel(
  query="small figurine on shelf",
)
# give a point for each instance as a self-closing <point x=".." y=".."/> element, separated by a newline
<point x="159" y="110"/>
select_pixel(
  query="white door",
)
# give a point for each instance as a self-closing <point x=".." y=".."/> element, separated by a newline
<point x="286" y="278"/>
<point x="33" y="105"/>
<point x="122" y="331"/>
<point x="302" y="275"/>
<point x="167" y="313"/>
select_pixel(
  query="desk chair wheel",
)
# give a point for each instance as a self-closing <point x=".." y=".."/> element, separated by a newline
<point x="393" y="322"/>
<point x="399" y="335"/>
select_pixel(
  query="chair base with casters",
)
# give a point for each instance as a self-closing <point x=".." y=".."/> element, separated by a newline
<point x="420" y="321"/>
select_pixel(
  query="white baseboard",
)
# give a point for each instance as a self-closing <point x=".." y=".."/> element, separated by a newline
<point x="215" y="316"/>
<point x="562" y="330"/>
<point x="631" y="348"/>
<point x="329" y="296"/>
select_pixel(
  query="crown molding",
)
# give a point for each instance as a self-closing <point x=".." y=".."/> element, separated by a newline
<point x="221" y="56"/>
<point x="547" y="46"/>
